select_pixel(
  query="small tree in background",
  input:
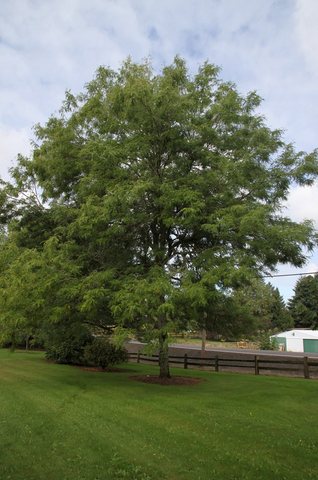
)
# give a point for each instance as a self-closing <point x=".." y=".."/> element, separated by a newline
<point x="103" y="353"/>
<point x="265" y="304"/>
<point x="267" y="343"/>
<point x="303" y="305"/>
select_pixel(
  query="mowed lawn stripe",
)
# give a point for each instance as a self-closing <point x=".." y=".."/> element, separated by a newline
<point x="61" y="422"/>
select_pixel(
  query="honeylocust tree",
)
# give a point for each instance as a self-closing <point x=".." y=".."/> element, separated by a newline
<point x="163" y="189"/>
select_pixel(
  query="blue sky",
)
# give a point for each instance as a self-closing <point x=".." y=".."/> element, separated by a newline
<point x="269" y="46"/>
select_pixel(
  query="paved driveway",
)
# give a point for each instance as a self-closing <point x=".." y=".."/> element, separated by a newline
<point x="196" y="351"/>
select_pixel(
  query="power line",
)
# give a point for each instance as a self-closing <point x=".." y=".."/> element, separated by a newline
<point x="289" y="274"/>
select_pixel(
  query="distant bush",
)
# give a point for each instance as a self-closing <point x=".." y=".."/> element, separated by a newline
<point x="103" y="353"/>
<point x="65" y="352"/>
<point x="266" y="343"/>
<point x="66" y="345"/>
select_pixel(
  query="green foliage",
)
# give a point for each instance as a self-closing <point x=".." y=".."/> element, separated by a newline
<point x="265" y="304"/>
<point x="304" y="303"/>
<point x="66" y="343"/>
<point x="281" y="318"/>
<point x="267" y="343"/>
<point x="157" y="190"/>
<point x="225" y="318"/>
<point x="103" y="353"/>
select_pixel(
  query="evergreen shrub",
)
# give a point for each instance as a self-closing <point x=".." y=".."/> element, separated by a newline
<point x="102" y="352"/>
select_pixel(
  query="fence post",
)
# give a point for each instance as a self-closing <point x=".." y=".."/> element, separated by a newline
<point x="203" y="345"/>
<point x="138" y="356"/>
<point x="306" y="368"/>
<point x="185" y="361"/>
<point x="256" y="365"/>
<point x="216" y="363"/>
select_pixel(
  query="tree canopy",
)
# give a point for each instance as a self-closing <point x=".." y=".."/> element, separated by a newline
<point x="156" y="191"/>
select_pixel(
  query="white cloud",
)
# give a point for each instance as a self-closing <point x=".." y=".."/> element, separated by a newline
<point x="302" y="204"/>
<point x="306" y="19"/>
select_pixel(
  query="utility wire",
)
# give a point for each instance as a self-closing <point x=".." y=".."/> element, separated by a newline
<point x="289" y="274"/>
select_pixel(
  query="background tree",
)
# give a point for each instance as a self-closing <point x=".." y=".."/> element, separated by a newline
<point x="281" y="317"/>
<point x="224" y="317"/>
<point x="265" y="304"/>
<point x="304" y="303"/>
<point x="160" y="190"/>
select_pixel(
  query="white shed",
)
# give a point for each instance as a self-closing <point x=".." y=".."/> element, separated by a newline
<point x="299" y="340"/>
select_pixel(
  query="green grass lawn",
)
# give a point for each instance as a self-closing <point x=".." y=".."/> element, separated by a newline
<point x="198" y="342"/>
<point x="58" y="422"/>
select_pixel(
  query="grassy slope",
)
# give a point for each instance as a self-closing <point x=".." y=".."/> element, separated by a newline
<point x="58" y="422"/>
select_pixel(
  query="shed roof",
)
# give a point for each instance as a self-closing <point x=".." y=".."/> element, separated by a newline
<point x="307" y="334"/>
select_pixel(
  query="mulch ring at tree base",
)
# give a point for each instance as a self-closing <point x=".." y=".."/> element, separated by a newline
<point x="175" y="381"/>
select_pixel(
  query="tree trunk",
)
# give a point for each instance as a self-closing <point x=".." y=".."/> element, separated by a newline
<point x="27" y="343"/>
<point x="163" y="357"/>
<point x="163" y="348"/>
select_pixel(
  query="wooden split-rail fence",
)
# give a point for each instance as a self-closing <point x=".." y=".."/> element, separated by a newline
<point x="287" y="366"/>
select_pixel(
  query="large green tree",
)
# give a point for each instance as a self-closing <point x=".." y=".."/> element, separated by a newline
<point x="158" y="190"/>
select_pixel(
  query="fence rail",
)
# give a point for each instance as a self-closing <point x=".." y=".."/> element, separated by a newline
<point x="301" y="365"/>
